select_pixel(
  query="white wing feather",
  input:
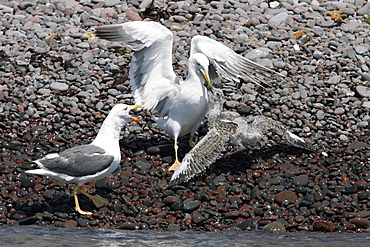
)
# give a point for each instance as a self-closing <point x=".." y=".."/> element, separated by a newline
<point x="229" y="64"/>
<point x="152" y="78"/>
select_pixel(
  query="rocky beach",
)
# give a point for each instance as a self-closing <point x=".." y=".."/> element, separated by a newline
<point x="57" y="85"/>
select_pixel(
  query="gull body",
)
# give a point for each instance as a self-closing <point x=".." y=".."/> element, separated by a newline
<point x="179" y="105"/>
<point x="89" y="162"/>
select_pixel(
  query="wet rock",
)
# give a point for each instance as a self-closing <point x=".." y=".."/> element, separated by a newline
<point x="360" y="222"/>
<point x="173" y="227"/>
<point x="197" y="217"/>
<point x="286" y="197"/>
<point x="127" y="225"/>
<point x="70" y="223"/>
<point x="274" y="227"/>
<point x="324" y="225"/>
<point x="28" y="221"/>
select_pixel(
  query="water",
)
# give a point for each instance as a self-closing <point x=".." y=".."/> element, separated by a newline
<point x="66" y="237"/>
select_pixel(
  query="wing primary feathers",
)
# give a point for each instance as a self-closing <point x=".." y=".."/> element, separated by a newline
<point x="206" y="152"/>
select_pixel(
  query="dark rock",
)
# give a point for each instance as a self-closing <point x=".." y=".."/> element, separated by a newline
<point x="324" y="225"/>
<point x="28" y="221"/>
<point x="27" y="182"/>
<point x="173" y="227"/>
<point x="127" y="225"/>
<point x="190" y="205"/>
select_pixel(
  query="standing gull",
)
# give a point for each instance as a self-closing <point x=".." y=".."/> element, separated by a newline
<point x="180" y="105"/>
<point x="90" y="162"/>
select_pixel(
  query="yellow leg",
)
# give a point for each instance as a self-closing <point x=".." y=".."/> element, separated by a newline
<point x="78" y="209"/>
<point x="97" y="200"/>
<point x="191" y="143"/>
<point x="177" y="163"/>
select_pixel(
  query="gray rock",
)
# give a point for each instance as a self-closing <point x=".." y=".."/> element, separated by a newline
<point x="173" y="227"/>
<point x="363" y="91"/>
<point x="84" y="45"/>
<point x="258" y="53"/>
<point x="334" y="80"/>
<point x="339" y="111"/>
<point x="361" y="49"/>
<point x="350" y="26"/>
<point x="190" y="205"/>
<point x="366" y="104"/>
<point x="364" y="10"/>
<point x="278" y="20"/>
<point x="142" y="165"/>
<point x="59" y="86"/>
<point x="111" y="3"/>
<point x="301" y="180"/>
<point x="320" y="114"/>
<point x="87" y="56"/>
<point x="99" y="105"/>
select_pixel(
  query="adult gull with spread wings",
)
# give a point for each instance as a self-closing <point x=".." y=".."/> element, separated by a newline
<point x="180" y="105"/>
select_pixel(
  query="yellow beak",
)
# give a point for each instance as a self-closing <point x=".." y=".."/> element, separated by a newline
<point x="136" y="106"/>
<point x="134" y="118"/>
<point x="206" y="78"/>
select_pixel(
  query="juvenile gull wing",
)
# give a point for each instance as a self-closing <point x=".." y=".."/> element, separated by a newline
<point x="229" y="64"/>
<point x="207" y="151"/>
<point x="152" y="78"/>
<point x="78" y="161"/>
<point x="258" y="122"/>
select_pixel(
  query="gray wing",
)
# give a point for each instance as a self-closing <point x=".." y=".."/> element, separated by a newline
<point x="257" y="123"/>
<point x="227" y="63"/>
<point x="152" y="78"/>
<point x="206" y="152"/>
<point x="78" y="161"/>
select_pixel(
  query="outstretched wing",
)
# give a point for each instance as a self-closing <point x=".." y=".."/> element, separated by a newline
<point x="251" y="131"/>
<point x="258" y="122"/>
<point x="226" y="62"/>
<point x="207" y="151"/>
<point x="152" y="78"/>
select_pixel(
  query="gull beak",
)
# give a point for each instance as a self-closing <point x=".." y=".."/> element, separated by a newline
<point x="206" y="78"/>
<point x="135" y="107"/>
<point x="134" y="118"/>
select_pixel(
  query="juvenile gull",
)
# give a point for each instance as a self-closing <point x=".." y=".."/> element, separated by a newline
<point x="228" y="128"/>
<point x="90" y="162"/>
<point x="180" y="105"/>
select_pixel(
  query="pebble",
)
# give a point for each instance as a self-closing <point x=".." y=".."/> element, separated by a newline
<point x="363" y="91"/>
<point x="278" y="20"/>
<point x="301" y="180"/>
<point x="27" y="182"/>
<point x="142" y="165"/>
<point x="274" y="227"/>
<point x="59" y="86"/>
<point x="127" y="225"/>
<point x="190" y="205"/>
<point x="286" y="197"/>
